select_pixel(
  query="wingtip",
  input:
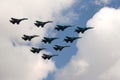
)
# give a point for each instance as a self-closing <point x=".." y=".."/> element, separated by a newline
<point x="50" y="21"/>
<point x="44" y="48"/>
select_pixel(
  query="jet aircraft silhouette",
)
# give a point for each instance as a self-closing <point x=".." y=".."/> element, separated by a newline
<point x="58" y="47"/>
<point x="36" y="50"/>
<point x="46" y="56"/>
<point x="82" y="30"/>
<point x="29" y="38"/>
<point x="42" y="24"/>
<point x="62" y="28"/>
<point x="70" y="39"/>
<point x="48" y="40"/>
<point x="17" y="21"/>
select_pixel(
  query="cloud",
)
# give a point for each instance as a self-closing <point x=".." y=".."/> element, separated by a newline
<point x="99" y="2"/>
<point x="98" y="50"/>
<point x="112" y="73"/>
<point x="16" y="61"/>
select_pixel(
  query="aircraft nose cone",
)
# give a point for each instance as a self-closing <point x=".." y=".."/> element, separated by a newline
<point x="79" y="37"/>
<point x="56" y="38"/>
<point x="37" y="35"/>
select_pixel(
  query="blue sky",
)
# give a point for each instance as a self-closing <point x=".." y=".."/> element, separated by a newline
<point x="79" y="61"/>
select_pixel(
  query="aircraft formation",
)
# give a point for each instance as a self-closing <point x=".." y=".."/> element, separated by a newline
<point x="49" y="40"/>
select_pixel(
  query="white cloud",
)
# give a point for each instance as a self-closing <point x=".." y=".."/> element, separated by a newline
<point x="74" y="69"/>
<point x="112" y="73"/>
<point x="99" y="50"/>
<point x="17" y="62"/>
<point x="99" y="2"/>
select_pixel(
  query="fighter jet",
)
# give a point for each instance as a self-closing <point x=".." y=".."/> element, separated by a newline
<point x="58" y="47"/>
<point x="42" y="24"/>
<point x="82" y="30"/>
<point x="36" y="50"/>
<point x="17" y="21"/>
<point x="70" y="39"/>
<point x="48" y="40"/>
<point x="62" y="28"/>
<point x="46" y="56"/>
<point x="26" y="37"/>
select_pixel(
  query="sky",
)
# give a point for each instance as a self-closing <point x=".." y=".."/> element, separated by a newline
<point x="95" y="56"/>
